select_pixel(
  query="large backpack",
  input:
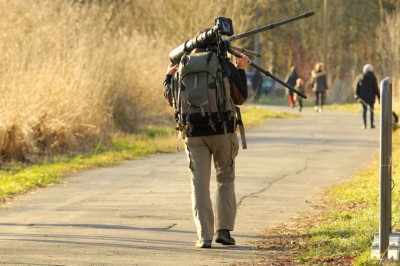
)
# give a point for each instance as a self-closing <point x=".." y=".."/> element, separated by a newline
<point x="201" y="93"/>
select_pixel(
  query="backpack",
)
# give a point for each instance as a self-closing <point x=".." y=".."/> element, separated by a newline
<point x="201" y="92"/>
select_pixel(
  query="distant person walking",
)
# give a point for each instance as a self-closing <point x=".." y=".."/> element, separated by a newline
<point x="291" y="80"/>
<point x="256" y="81"/>
<point x="319" y="86"/>
<point x="300" y="87"/>
<point x="366" y="92"/>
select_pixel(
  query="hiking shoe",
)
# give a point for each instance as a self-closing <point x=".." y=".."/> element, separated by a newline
<point x="203" y="244"/>
<point x="224" y="238"/>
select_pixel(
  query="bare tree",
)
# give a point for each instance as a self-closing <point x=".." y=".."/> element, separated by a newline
<point x="389" y="50"/>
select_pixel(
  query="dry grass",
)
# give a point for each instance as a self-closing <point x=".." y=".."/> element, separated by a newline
<point x="75" y="72"/>
<point x="68" y="79"/>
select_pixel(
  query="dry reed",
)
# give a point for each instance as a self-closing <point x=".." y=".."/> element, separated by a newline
<point x="70" y="78"/>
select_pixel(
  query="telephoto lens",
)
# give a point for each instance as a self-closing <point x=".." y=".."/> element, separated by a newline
<point x="202" y="40"/>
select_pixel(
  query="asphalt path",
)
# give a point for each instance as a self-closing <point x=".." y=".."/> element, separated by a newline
<point x="139" y="212"/>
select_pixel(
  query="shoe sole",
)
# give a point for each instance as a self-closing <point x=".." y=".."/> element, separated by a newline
<point x="220" y="241"/>
<point x="203" y="245"/>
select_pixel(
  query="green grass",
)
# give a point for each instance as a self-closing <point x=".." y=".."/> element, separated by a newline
<point x="253" y="115"/>
<point x="283" y="101"/>
<point x="21" y="178"/>
<point x="347" y="228"/>
<point x="269" y="100"/>
<point x="18" y="179"/>
<point x="280" y="100"/>
<point x="348" y="107"/>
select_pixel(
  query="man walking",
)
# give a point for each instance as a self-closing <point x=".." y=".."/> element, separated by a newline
<point x="218" y="143"/>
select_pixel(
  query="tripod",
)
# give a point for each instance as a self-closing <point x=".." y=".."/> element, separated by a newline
<point x="234" y="49"/>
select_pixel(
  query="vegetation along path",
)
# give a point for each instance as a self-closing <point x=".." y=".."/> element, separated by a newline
<point x="138" y="212"/>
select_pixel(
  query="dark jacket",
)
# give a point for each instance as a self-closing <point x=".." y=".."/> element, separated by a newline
<point x="238" y="77"/>
<point x="291" y="80"/>
<point x="257" y="81"/>
<point x="319" y="83"/>
<point x="367" y="88"/>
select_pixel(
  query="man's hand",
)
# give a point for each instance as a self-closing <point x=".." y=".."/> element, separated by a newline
<point x="172" y="68"/>
<point x="242" y="62"/>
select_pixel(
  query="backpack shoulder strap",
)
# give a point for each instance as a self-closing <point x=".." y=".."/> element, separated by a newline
<point x="241" y="128"/>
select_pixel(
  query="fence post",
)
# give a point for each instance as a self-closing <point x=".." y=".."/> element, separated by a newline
<point x="385" y="197"/>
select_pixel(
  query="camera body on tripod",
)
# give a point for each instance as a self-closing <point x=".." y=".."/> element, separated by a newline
<point x="224" y="26"/>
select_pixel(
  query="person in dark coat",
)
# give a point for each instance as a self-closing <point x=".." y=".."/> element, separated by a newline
<point x="319" y="86"/>
<point x="257" y="84"/>
<point x="366" y="92"/>
<point x="291" y="79"/>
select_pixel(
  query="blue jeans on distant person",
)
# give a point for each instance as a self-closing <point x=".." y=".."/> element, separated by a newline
<point x="365" y="108"/>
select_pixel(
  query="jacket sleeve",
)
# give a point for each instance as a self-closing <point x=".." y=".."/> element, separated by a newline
<point x="358" y="86"/>
<point x="238" y="76"/>
<point x="376" y="89"/>
<point x="325" y="82"/>
<point x="286" y="79"/>
<point x="168" y="89"/>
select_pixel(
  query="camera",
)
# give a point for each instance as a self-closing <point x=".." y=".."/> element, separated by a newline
<point x="224" y="26"/>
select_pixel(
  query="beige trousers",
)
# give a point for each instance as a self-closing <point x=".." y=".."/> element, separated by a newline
<point x="223" y="149"/>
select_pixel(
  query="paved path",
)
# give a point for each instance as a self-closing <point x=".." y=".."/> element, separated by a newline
<point x="138" y="213"/>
